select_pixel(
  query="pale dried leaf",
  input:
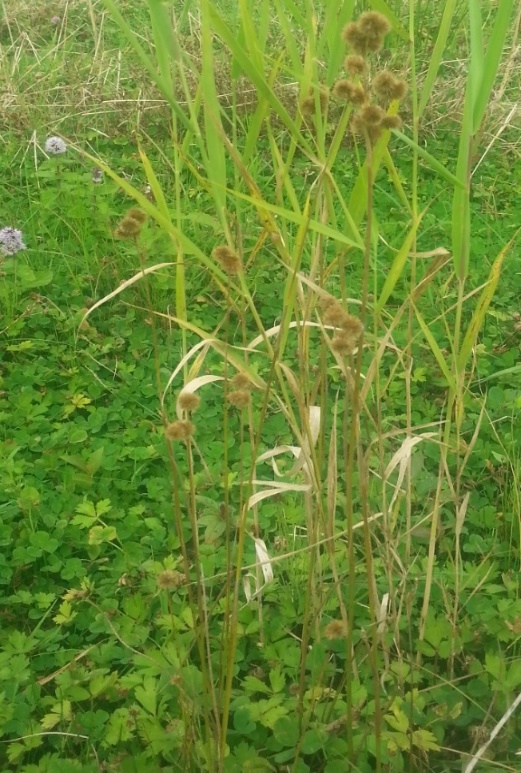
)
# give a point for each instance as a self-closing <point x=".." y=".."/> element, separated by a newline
<point x="192" y="386"/>
<point x="264" y="559"/>
<point x="124" y="285"/>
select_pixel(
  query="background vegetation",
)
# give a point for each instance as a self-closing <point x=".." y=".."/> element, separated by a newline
<point x="236" y="534"/>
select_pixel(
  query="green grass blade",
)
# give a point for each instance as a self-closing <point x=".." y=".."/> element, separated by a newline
<point x="397" y="267"/>
<point x="437" y="53"/>
<point x="257" y="78"/>
<point x="213" y="130"/>
<point x="480" y="311"/>
<point x="440" y="359"/>
<point x="430" y="160"/>
<point x="330" y="48"/>
<point x="491" y="62"/>
<point x="148" y="64"/>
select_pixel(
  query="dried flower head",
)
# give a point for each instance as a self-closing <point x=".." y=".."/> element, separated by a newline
<point x="169" y="579"/>
<point x="392" y="122"/>
<point x="97" y="175"/>
<point x="240" y="398"/>
<point x="229" y="260"/>
<point x="343" y="89"/>
<point x="374" y="24"/>
<point x="351" y="92"/>
<point x="131" y="225"/>
<point x="345" y="340"/>
<point x="55" y="20"/>
<point x="11" y="241"/>
<point x="137" y="214"/>
<point x="335" y="630"/>
<point x="189" y="401"/>
<point x="355" y="64"/>
<point x="367" y="34"/>
<point x="372" y="115"/>
<point x="240" y="381"/>
<point x="308" y="106"/>
<point x="355" y="39"/>
<point x="55" y="146"/>
<point x="334" y="315"/>
<point x="387" y="86"/>
<point x="179" y="430"/>
<point x="352" y="326"/>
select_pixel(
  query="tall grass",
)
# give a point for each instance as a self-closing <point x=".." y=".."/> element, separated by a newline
<point x="350" y="472"/>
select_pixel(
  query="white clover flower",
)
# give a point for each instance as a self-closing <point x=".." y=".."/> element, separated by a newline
<point x="11" y="241"/>
<point x="55" y="146"/>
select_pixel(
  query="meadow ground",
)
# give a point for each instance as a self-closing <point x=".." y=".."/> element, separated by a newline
<point x="260" y="451"/>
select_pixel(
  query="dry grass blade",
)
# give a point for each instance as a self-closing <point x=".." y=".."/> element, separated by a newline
<point x="124" y="285"/>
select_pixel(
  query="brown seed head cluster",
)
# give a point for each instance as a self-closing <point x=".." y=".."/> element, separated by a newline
<point x="131" y="225"/>
<point x="189" y="401"/>
<point x="335" y="630"/>
<point x="240" y="381"/>
<point x="229" y="260"/>
<point x="169" y="579"/>
<point x="387" y="86"/>
<point x="240" y="395"/>
<point x="348" y="329"/>
<point x="240" y="398"/>
<point x="179" y="430"/>
<point x="355" y="65"/>
<point x="367" y="34"/>
<point x="308" y="105"/>
<point x="364" y="36"/>
<point x="350" y="92"/>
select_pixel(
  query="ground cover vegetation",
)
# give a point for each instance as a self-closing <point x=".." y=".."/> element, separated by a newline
<point x="259" y="372"/>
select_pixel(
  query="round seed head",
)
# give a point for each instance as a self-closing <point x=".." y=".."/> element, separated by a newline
<point x="137" y="214"/>
<point x="179" y="430"/>
<point x="169" y="579"/>
<point x="343" y="89"/>
<point x="392" y="122"/>
<point x="387" y="86"/>
<point x="352" y="326"/>
<point x="383" y="84"/>
<point x="240" y="398"/>
<point x="334" y="315"/>
<point x="240" y="381"/>
<point x="229" y="260"/>
<point x="128" y="229"/>
<point x="355" y="64"/>
<point x="189" y="401"/>
<point x="372" y="115"/>
<point x="359" y="95"/>
<point x="307" y="106"/>
<point x="355" y="38"/>
<point x="345" y="340"/>
<point x="335" y="630"/>
<point x="374" y="25"/>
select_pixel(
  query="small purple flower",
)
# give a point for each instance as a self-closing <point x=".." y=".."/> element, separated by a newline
<point x="97" y="175"/>
<point x="11" y="241"/>
<point x="55" y="146"/>
<point x="55" y="20"/>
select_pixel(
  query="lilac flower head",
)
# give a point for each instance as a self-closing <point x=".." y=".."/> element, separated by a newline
<point x="11" y="241"/>
<point x="55" y="146"/>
